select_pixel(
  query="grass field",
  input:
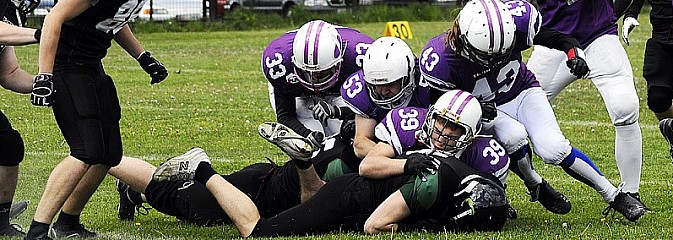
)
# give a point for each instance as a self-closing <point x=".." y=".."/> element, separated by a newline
<point x="220" y="96"/>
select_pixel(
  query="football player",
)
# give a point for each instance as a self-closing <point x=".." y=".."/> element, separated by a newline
<point x="75" y="37"/>
<point x="658" y="50"/>
<point x="610" y="72"/>
<point x="454" y="197"/>
<point x="481" y="54"/>
<point x="389" y="79"/>
<point x="305" y="69"/>
<point x="12" y="77"/>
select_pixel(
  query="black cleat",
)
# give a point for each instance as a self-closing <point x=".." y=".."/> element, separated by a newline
<point x="12" y="230"/>
<point x="630" y="207"/>
<point x="550" y="199"/>
<point x="666" y="128"/>
<point x="59" y="232"/>
<point x="17" y="209"/>
<point x="126" y="209"/>
<point x="42" y="236"/>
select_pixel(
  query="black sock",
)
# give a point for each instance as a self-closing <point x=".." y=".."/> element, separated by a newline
<point x="4" y="213"/>
<point x="303" y="165"/>
<point x="203" y="172"/>
<point x="65" y="219"/>
<point x="37" y="229"/>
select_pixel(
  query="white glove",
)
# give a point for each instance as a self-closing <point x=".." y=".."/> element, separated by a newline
<point x="629" y="24"/>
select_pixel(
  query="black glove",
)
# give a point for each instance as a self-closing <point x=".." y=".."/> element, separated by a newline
<point x="43" y="87"/>
<point x="578" y="66"/>
<point x="488" y="111"/>
<point x="323" y="111"/>
<point x="316" y="138"/>
<point x="153" y="67"/>
<point x="347" y="131"/>
<point x="420" y="165"/>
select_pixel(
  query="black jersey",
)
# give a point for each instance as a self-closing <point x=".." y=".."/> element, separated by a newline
<point x="88" y="36"/>
<point x="661" y="18"/>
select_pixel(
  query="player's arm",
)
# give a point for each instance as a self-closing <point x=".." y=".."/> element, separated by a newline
<point x="386" y="216"/>
<point x="364" y="135"/>
<point x="380" y="162"/>
<point x="12" y="77"/>
<point x="554" y="39"/>
<point x="11" y="35"/>
<point x="130" y="43"/>
<point x="286" y="113"/>
<point x="63" y="11"/>
<point x="629" y="8"/>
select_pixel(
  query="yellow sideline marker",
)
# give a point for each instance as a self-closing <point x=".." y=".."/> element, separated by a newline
<point x="400" y="29"/>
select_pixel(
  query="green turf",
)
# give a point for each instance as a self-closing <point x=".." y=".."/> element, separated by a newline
<point x="220" y="96"/>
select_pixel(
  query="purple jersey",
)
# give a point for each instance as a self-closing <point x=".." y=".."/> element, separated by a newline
<point x="443" y="69"/>
<point x="585" y="20"/>
<point x="279" y="70"/>
<point x="355" y="94"/>
<point x="401" y="128"/>
<point x="527" y="20"/>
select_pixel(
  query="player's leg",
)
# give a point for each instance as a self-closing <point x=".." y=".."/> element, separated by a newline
<point x="11" y="152"/>
<point x="548" y="142"/>
<point x="513" y="136"/>
<point x="550" y="70"/>
<point x="659" y="77"/>
<point x="611" y="73"/>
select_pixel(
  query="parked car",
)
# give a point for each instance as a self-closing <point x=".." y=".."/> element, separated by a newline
<point x="43" y="8"/>
<point x="178" y="10"/>
<point x="286" y="6"/>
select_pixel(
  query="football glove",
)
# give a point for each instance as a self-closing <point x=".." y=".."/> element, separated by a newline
<point x="629" y="24"/>
<point x="577" y="63"/>
<point x="43" y="87"/>
<point x="347" y="131"/>
<point x="153" y="67"/>
<point x="488" y="111"/>
<point x="323" y="111"/>
<point x="315" y="138"/>
<point x="420" y="165"/>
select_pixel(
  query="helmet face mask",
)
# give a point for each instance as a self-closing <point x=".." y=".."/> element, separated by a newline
<point x="26" y="6"/>
<point x="454" y="109"/>
<point x="389" y="66"/>
<point x="317" y="53"/>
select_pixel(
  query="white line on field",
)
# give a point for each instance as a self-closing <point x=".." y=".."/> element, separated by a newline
<point x="144" y="157"/>
<point x="599" y="124"/>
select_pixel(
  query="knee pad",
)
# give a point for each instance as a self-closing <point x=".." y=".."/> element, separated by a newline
<point x="659" y="98"/>
<point x="11" y="148"/>
<point x="553" y="152"/>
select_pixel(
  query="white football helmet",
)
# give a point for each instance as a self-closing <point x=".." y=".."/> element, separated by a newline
<point x="453" y="107"/>
<point x="317" y="52"/>
<point x="389" y="60"/>
<point x="486" y="32"/>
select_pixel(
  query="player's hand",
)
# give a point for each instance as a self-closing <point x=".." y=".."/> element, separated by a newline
<point x="420" y="165"/>
<point x="347" y="131"/>
<point x="488" y="111"/>
<point x="629" y="24"/>
<point x="577" y="63"/>
<point x="323" y="111"/>
<point x="43" y="87"/>
<point x="316" y="138"/>
<point x="153" y="67"/>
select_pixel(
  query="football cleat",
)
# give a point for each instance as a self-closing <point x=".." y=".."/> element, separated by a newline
<point x="126" y="208"/>
<point x="33" y="236"/>
<point x="637" y="197"/>
<point x="62" y="231"/>
<point x="12" y="230"/>
<point x="17" y="209"/>
<point x="630" y="207"/>
<point x="550" y="199"/>
<point x="182" y="167"/>
<point x="666" y="128"/>
<point x="294" y="145"/>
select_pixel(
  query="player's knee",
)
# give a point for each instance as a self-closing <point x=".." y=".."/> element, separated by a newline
<point x="552" y="152"/>
<point x="11" y="148"/>
<point x="512" y="141"/>
<point x="659" y="98"/>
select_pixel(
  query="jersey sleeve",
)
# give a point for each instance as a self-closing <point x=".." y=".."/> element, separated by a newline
<point x="487" y="156"/>
<point x="355" y="95"/>
<point x="356" y="45"/>
<point x="277" y="64"/>
<point x="434" y="64"/>
<point x="399" y="128"/>
<point x="528" y="21"/>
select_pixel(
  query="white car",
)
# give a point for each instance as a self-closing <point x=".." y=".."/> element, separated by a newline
<point x="179" y="10"/>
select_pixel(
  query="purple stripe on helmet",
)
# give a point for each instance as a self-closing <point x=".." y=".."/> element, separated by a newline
<point x="306" y="42"/>
<point x="490" y="23"/>
<point x="454" y="99"/>
<point x="502" y="30"/>
<point x="317" y="41"/>
<point x="462" y="105"/>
